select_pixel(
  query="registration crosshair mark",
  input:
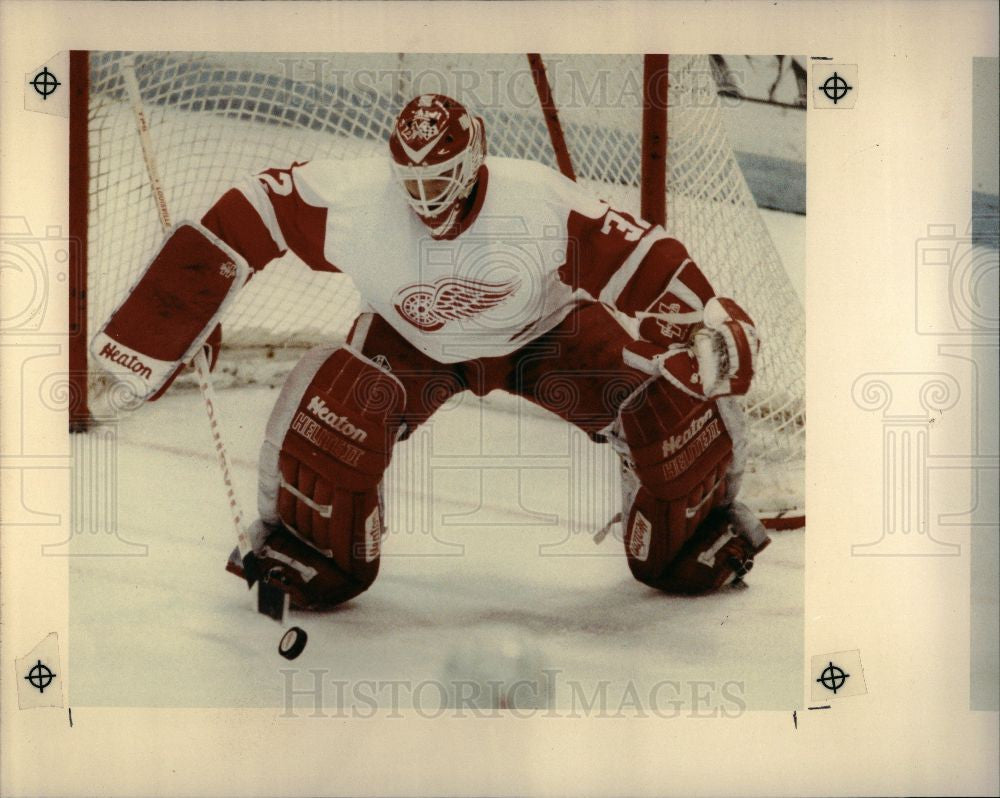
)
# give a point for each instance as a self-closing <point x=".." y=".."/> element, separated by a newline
<point x="45" y="83"/>
<point x="833" y="678"/>
<point x="835" y="88"/>
<point x="40" y="676"/>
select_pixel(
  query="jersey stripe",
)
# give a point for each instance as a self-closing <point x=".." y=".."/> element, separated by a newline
<point x="257" y="197"/>
<point x="238" y="223"/>
<point x="620" y="279"/>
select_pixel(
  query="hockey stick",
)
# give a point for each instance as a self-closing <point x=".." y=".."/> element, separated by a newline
<point x="271" y="599"/>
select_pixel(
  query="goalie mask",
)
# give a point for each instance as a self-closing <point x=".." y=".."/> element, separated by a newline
<point x="437" y="150"/>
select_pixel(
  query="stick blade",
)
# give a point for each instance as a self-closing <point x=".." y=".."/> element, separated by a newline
<point x="246" y="568"/>
<point x="272" y="601"/>
<point x="251" y="568"/>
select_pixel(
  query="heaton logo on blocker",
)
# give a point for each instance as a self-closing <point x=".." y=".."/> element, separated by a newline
<point x="129" y="361"/>
<point x="339" y="423"/>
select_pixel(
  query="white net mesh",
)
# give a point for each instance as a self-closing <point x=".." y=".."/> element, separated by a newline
<point x="216" y="117"/>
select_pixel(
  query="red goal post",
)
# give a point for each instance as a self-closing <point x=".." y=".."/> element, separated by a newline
<point x="644" y="132"/>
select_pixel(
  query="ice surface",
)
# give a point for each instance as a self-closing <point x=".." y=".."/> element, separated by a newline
<point x="501" y="551"/>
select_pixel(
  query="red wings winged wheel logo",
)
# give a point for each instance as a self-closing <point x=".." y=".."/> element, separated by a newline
<point x="429" y="307"/>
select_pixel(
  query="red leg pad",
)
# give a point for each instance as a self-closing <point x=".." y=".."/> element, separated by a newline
<point x="328" y="444"/>
<point x="680" y="453"/>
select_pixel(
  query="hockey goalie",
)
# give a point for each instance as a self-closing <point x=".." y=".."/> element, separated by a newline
<point x="478" y="274"/>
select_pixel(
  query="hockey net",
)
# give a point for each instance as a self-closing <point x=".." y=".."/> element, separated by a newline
<point x="216" y="117"/>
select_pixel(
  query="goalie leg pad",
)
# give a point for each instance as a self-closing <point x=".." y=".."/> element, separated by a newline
<point x="680" y="519"/>
<point x="723" y="547"/>
<point x="327" y="446"/>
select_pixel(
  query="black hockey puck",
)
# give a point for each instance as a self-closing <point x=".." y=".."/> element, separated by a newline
<point x="293" y="642"/>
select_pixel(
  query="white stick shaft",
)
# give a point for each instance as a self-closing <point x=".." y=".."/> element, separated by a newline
<point x="208" y="396"/>
<point x="142" y="126"/>
<point x="200" y="360"/>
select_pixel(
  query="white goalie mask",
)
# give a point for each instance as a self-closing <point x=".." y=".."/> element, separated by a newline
<point x="437" y="148"/>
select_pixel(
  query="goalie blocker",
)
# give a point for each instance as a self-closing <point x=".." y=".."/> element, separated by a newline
<point x="171" y="311"/>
